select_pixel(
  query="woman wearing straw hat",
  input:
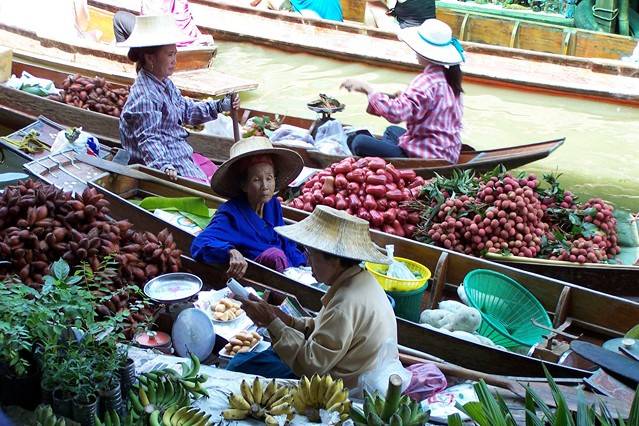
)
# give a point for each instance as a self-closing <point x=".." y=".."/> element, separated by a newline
<point x="243" y="226"/>
<point x="431" y="106"/>
<point x="356" y="319"/>
<point x="152" y="117"/>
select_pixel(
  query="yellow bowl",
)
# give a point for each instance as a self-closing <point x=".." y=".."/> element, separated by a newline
<point x="395" y="284"/>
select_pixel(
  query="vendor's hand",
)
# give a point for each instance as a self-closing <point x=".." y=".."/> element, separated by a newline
<point x="171" y="172"/>
<point x="354" y="85"/>
<point x="230" y="101"/>
<point x="259" y="311"/>
<point x="237" y="264"/>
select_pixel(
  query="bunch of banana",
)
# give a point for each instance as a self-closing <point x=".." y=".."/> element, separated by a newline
<point x="154" y="396"/>
<point x="190" y="378"/>
<point x="260" y="402"/>
<point x="394" y="410"/>
<point x="111" y="418"/>
<point x="321" y="393"/>
<point x="180" y="416"/>
<point x="44" y="417"/>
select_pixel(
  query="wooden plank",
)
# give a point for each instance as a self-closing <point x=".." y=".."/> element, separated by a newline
<point x="589" y="44"/>
<point x="542" y="39"/>
<point x="487" y="30"/>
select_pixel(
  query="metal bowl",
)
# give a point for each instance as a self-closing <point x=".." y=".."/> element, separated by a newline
<point x="173" y="287"/>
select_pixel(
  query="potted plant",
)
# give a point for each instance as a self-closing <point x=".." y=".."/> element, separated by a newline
<point x="126" y="369"/>
<point x="19" y="379"/>
<point x="107" y="375"/>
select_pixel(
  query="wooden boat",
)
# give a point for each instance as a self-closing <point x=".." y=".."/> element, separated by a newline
<point x="195" y="76"/>
<point x="602" y="79"/>
<point x="574" y="309"/>
<point x="618" y="280"/>
<point x="106" y="127"/>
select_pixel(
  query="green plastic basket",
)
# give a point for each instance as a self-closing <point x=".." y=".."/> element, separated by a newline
<point x="506" y="309"/>
<point x="408" y="303"/>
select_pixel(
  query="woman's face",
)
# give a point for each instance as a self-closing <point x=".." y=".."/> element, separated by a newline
<point x="260" y="183"/>
<point x="162" y="62"/>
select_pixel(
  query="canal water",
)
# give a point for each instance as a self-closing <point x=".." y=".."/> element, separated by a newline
<point x="600" y="156"/>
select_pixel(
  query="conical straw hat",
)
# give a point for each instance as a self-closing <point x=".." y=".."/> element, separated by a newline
<point x="335" y="232"/>
<point x="159" y="30"/>
<point x="288" y="165"/>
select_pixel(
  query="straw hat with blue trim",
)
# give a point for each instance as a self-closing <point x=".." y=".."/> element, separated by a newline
<point x="335" y="232"/>
<point x="434" y="41"/>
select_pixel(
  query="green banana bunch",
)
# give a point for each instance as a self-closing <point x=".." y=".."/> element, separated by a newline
<point x="111" y="418"/>
<point x="190" y="378"/>
<point x="180" y="416"/>
<point x="394" y="410"/>
<point x="44" y="417"/>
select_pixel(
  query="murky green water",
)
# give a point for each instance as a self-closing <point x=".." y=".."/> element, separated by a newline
<point x="600" y="156"/>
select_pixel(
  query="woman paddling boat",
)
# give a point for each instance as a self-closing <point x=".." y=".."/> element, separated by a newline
<point x="338" y="341"/>
<point x="431" y="106"/>
<point x="155" y="111"/>
<point x="243" y="227"/>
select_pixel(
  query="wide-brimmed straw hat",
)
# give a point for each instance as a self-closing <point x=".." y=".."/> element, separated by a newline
<point x="434" y="41"/>
<point x="154" y="30"/>
<point x="335" y="232"/>
<point x="226" y="180"/>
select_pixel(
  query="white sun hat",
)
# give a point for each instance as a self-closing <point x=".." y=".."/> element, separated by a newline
<point x="154" y="30"/>
<point x="434" y="41"/>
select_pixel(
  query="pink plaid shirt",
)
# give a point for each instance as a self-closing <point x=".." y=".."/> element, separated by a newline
<point x="432" y="113"/>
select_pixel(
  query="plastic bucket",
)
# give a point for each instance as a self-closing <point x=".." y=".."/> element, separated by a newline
<point x="408" y="303"/>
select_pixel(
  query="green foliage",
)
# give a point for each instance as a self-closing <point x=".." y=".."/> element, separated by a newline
<point x="491" y="410"/>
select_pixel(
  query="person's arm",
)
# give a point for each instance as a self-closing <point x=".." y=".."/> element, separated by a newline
<point x="320" y="353"/>
<point x="195" y="113"/>
<point x="210" y="246"/>
<point x="145" y="120"/>
<point x="412" y="104"/>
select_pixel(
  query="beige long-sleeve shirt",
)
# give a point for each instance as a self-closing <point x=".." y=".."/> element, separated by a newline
<point x="354" y="322"/>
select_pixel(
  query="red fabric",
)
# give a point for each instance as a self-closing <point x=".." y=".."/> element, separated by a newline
<point x="247" y="162"/>
<point x="432" y="113"/>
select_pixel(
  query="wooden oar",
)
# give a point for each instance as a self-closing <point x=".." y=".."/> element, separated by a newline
<point x="236" y="124"/>
<point x="518" y="387"/>
<point x="612" y="362"/>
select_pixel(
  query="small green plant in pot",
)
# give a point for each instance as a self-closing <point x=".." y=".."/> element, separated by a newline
<point x="19" y="381"/>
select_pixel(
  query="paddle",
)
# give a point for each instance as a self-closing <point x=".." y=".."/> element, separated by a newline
<point x="518" y="387"/>
<point x="236" y="125"/>
<point x="612" y="362"/>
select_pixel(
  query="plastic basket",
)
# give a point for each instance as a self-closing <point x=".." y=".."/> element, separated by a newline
<point x="506" y="308"/>
<point x="395" y="284"/>
<point x="408" y="303"/>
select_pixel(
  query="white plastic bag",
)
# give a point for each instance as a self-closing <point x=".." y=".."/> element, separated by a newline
<point x="221" y="127"/>
<point x="397" y="269"/>
<point x="292" y="135"/>
<point x="386" y="365"/>
<point x="331" y="139"/>
<point x="77" y="140"/>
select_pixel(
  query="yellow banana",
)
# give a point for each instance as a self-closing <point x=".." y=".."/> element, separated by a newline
<point x="166" y="417"/>
<point x="315" y="384"/>
<point x="284" y="408"/>
<point x="298" y="402"/>
<point x="269" y="391"/>
<point x="305" y="387"/>
<point x="336" y="388"/>
<point x="340" y="407"/>
<point x="144" y="399"/>
<point x="337" y="398"/>
<point x="257" y="390"/>
<point x="271" y="421"/>
<point x="234" y="414"/>
<point x="247" y="392"/>
<point x="279" y="394"/>
<point x="327" y="382"/>
<point x="239" y="402"/>
<point x="177" y="416"/>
